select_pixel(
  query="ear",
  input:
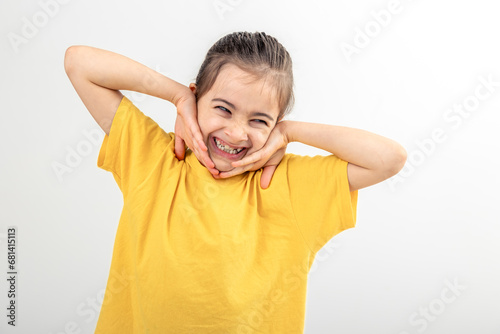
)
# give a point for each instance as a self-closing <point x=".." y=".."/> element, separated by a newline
<point x="192" y="86"/>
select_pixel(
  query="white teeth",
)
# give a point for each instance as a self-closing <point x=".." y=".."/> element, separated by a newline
<point x="226" y="148"/>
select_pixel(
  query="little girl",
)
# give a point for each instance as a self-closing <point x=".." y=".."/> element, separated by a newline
<point x="219" y="237"/>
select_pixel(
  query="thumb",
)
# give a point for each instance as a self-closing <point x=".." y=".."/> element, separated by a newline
<point x="179" y="149"/>
<point x="267" y="174"/>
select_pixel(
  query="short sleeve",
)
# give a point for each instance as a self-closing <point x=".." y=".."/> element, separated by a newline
<point x="321" y="201"/>
<point x="134" y="146"/>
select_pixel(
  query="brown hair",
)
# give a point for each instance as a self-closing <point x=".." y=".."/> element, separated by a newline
<point x="256" y="53"/>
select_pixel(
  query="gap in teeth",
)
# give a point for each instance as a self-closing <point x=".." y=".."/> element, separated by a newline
<point x="226" y="148"/>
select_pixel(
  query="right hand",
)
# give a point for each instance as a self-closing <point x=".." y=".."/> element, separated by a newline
<point x="268" y="157"/>
<point x="187" y="131"/>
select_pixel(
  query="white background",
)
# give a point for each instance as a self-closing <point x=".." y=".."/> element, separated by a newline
<point x="436" y="222"/>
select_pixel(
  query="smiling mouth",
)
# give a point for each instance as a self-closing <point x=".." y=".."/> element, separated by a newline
<point x="227" y="148"/>
<point x="226" y="151"/>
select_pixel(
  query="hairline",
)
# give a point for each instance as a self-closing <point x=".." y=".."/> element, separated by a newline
<point x="251" y="74"/>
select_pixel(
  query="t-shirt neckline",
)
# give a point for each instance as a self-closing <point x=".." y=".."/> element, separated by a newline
<point x="203" y="172"/>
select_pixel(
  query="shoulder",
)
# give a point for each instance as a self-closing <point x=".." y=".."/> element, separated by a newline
<point x="131" y="118"/>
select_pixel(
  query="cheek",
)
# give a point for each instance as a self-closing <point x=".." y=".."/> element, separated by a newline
<point x="259" y="138"/>
<point x="208" y="125"/>
<point x="205" y="123"/>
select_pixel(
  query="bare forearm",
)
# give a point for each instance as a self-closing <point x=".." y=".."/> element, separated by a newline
<point x="356" y="146"/>
<point x="117" y="72"/>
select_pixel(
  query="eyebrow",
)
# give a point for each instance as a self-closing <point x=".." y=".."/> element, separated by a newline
<point x="232" y="106"/>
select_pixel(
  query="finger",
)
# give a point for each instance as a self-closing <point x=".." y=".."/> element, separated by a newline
<point x="198" y="138"/>
<point x="202" y="145"/>
<point x="201" y="155"/>
<point x="179" y="147"/>
<point x="213" y="171"/>
<point x="205" y="158"/>
<point x="200" y="148"/>
<point x="232" y="172"/>
<point x="267" y="174"/>
<point x="251" y="159"/>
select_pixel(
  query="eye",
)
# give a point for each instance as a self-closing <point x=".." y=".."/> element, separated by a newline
<point x="260" y="121"/>
<point x="223" y="109"/>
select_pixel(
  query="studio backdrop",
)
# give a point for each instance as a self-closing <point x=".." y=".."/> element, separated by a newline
<point x="423" y="257"/>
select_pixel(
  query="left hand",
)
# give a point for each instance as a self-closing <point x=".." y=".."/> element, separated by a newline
<point x="268" y="157"/>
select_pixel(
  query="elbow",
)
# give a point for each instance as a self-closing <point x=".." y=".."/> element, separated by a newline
<point x="397" y="160"/>
<point x="69" y="58"/>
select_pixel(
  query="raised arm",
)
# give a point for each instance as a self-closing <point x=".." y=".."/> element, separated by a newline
<point x="372" y="158"/>
<point x="97" y="76"/>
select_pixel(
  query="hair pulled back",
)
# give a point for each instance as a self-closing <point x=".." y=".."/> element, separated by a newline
<point x="256" y="53"/>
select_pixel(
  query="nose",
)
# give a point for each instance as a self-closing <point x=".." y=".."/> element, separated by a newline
<point x="236" y="132"/>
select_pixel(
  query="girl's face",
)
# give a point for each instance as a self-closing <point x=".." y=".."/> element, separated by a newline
<point x="236" y="116"/>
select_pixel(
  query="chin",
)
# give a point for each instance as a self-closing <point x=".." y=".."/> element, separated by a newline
<point x="222" y="165"/>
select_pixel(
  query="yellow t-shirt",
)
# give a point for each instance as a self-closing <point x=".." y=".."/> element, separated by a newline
<point x="194" y="254"/>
